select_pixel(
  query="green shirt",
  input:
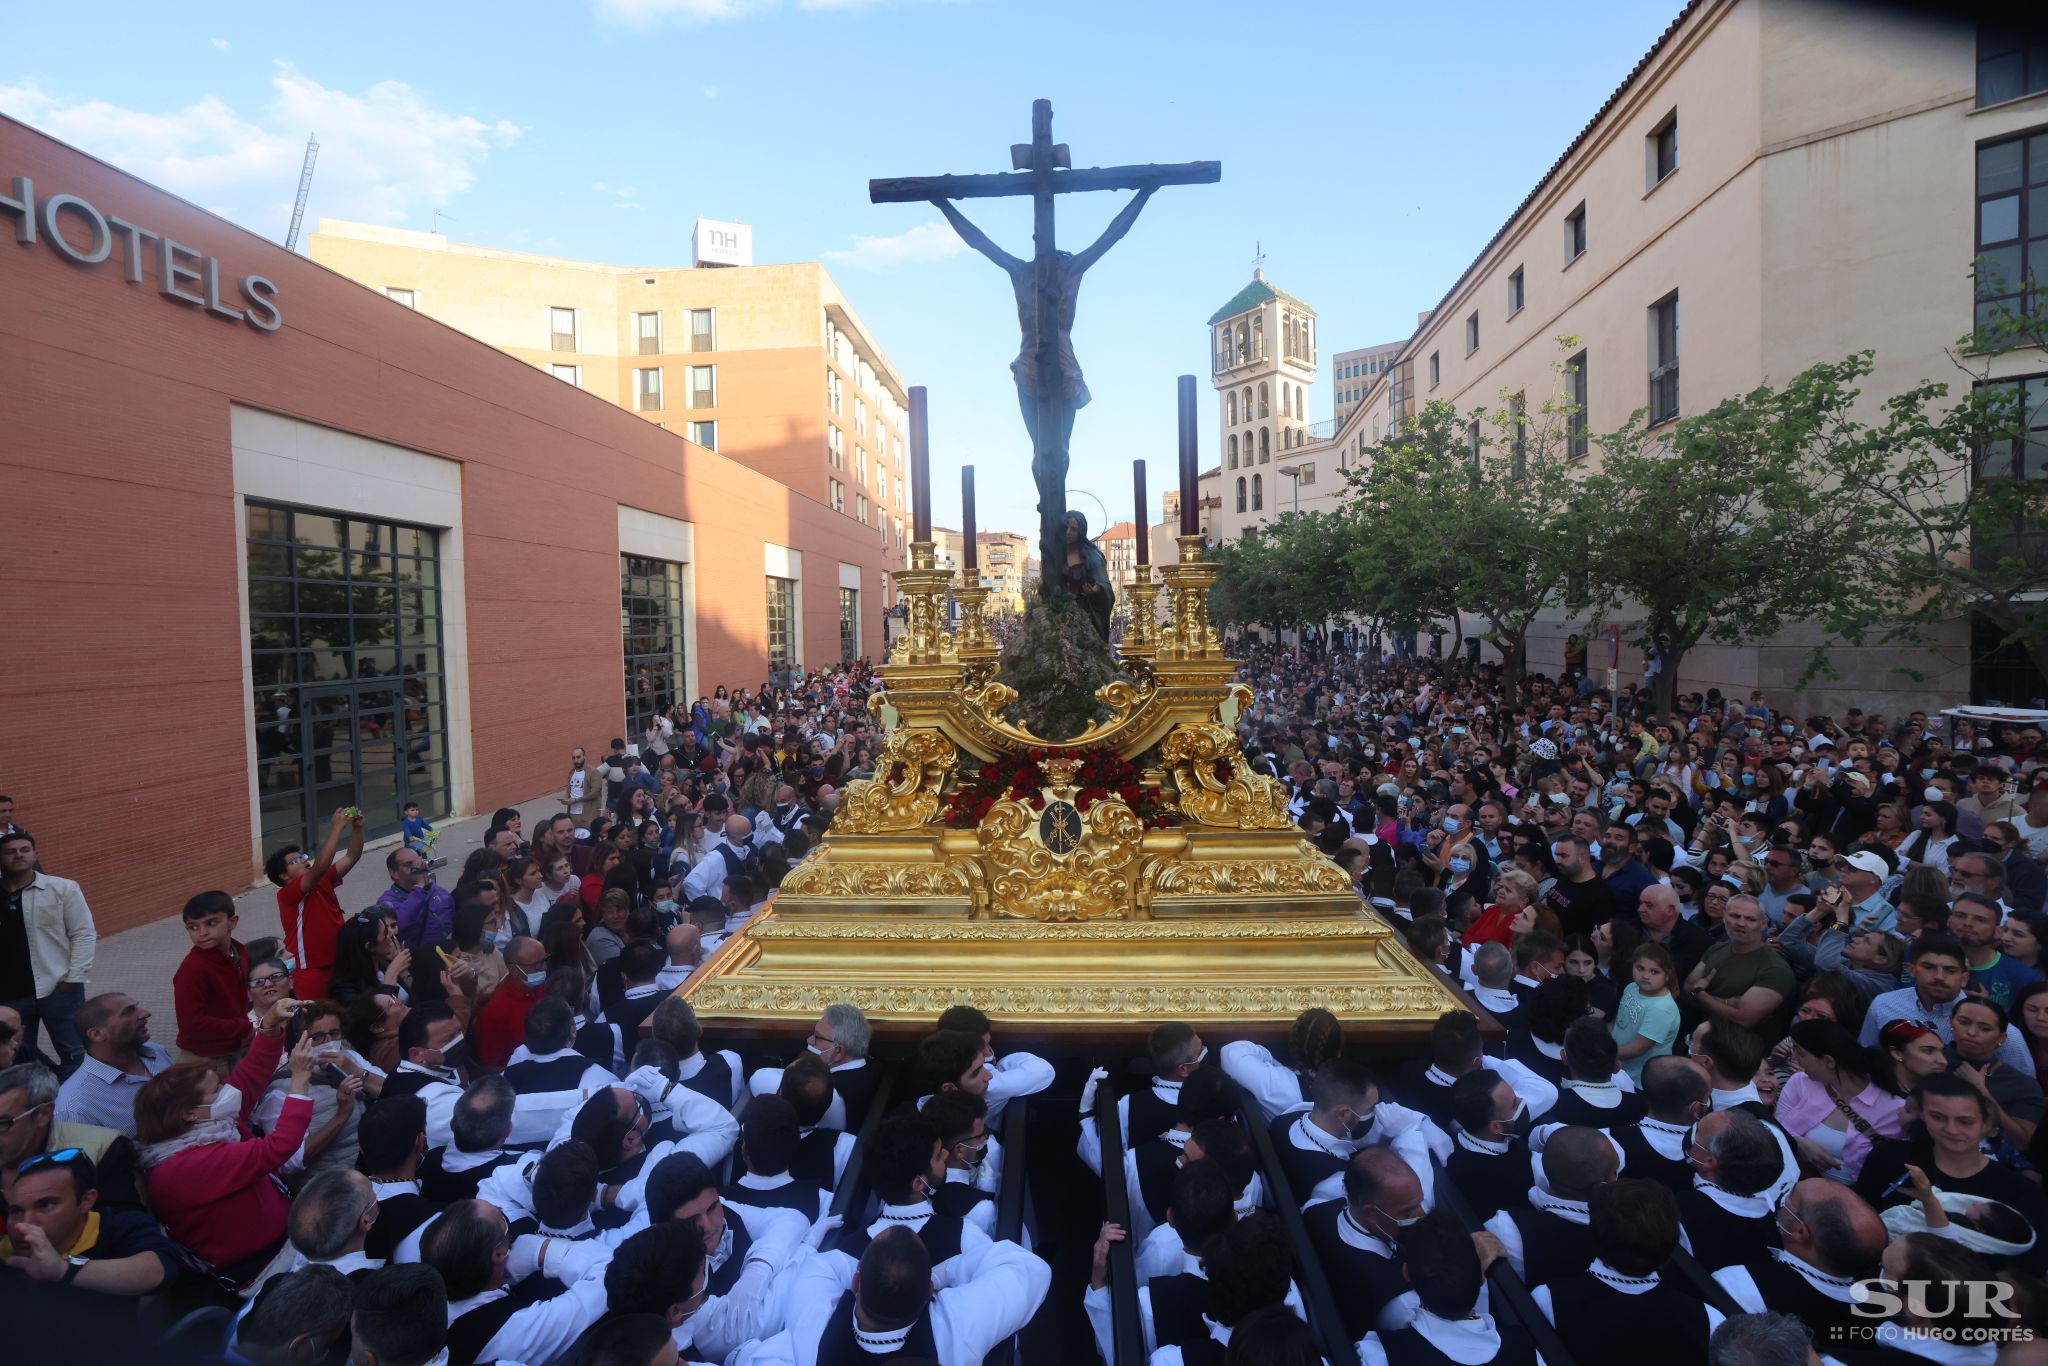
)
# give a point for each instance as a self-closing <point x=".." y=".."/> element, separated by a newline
<point x="1735" y="973"/>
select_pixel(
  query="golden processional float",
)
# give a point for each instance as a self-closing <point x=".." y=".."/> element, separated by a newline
<point x="1096" y="886"/>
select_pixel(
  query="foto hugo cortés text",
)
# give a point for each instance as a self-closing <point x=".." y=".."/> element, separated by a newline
<point x="81" y="234"/>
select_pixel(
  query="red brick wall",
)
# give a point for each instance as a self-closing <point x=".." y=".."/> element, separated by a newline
<point x="121" y="711"/>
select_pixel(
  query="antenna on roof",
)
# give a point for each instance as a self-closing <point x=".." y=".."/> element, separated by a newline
<point x="1258" y="260"/>
<point x="291" y="238"/>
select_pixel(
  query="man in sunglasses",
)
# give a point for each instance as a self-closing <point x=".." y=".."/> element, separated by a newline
<point x="57" y="1232"/>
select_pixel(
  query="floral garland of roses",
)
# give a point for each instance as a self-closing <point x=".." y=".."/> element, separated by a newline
<point x="1018" y="777"/>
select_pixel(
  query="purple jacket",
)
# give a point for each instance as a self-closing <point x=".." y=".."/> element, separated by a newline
<point x="425" y="914"/>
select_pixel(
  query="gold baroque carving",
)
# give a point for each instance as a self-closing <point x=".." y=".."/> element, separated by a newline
<point x="1310" y="875"/>
<point x="913" y="768"/>
<point x="1222" y="927"/>
<point x="1246" y="801"/>
<point x="875" y="880"/>
<point x="1233" y="999"/>
<point x="1030" y="882"/>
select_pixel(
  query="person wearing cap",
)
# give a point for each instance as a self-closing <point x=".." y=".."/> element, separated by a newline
<point x="1863" y="875"/>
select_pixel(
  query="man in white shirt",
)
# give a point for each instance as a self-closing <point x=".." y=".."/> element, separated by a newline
<point x="737" y="852"/>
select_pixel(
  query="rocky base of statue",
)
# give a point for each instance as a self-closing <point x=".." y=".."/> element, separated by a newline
<point x="1055" y="660"/>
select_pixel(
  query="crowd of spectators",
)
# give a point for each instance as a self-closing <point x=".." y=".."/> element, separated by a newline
<point x="1757" y="1038"/>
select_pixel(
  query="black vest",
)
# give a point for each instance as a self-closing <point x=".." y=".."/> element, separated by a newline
<point x="855" y="1087"/>
<point x="1147" y="1117"/>
<point x="1303" y="1167"/>
<point x="1785" y="1290"/>
<point x="1363" y="1281"/>
<point x="1606" y="1327"/>
<point x="405" y="1083"/>
<point x="1522" y="1048"/>
<point x="1572" y="1108"/>
<point x="814" y="1159"/>
<point x="1645" y="1161"/>
<point x="1177" y="1304"/>
<point x="439" y="1184"/>
<point x="1722" y="1239"/>
<point x="1418" y="1092"/>
<point x="556" y="1074"/>
<point x="713" y="1080"/>
<point x="727" y="1276"/>
<point x="1409" y="1348"/>
<point x="736" y="864"/>
<point x="1489" y="1183"/>
<point x="1553" y="1247"/>
<point x="472" y="1332"/>
<point x="800" y="1196"/>
<point x="957" y="1199"/>
<point x="1157" y="1162"/>
<point x="940" y="1235"/>
<point x="397" y="1216"/>
<point x="837" y="1345"/>
<point x="627" y="1013"/>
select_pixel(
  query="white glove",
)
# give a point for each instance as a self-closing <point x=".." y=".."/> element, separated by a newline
<point x="524" y="1258"/>
<point x="648" y="1083"/>
<point x="826" y="1226"/>
<point x="1099" y="1075"/>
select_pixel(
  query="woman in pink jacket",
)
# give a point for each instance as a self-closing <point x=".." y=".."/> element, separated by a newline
<point x="214" y="1187"/>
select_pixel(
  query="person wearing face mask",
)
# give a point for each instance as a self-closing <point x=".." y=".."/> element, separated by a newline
<point x="1490" y="1161"/>
<point x="1738" y="1166"/>
<point x="1676" y="1092"/>
<point x="1315" y="1143"/>
<point x="1546" y="1230"/>
<point x="1829" y="1239"/>
<point x="768" y="1142"/>
<point x="209" y="1181"/>
<point x="1357" y="1240"/>
<point x="500" y="1026"/>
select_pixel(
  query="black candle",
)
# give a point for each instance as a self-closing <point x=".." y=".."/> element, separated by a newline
<point x="1143" y="518"/>
<point x="1190" y="519"/>
<point x="920" y="468"/>
<point x="968" y="548"/>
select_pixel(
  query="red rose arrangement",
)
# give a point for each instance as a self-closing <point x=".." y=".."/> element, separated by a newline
<point x="1018" y="777"/>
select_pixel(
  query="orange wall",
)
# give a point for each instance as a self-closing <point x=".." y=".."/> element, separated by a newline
<point x="122" y="730"/>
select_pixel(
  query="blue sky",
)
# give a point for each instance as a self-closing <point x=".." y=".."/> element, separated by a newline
<point x="1370" y="149"/>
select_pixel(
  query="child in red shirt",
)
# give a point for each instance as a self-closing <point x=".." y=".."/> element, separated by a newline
<point x="211" y="986"/>
<point x="308" y="906"/>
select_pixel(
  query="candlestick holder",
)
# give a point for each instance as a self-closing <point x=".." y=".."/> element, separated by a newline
<point x="1188" y="634"/>
<point x="923" y="591"/>
<point x="971" y="638"/>
<point x="1141" y="627"/>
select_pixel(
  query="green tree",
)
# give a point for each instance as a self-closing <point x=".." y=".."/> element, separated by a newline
<point x="1734" y="523"/>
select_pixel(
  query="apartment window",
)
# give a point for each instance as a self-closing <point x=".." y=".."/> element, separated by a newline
<point x="1518" y="441"/>
<point x="1664" y="359"/>
<point x="835" y="447"/>
<point x="860" y="418"/>
<point x="1308" y="471"/>
<point x="2012" y="223"/>
<point x="1471" y="334"/>
<point x="1516" y="295"/>
<point x="647" y="390"/>
<point x="1435" y="370"/>
<point x="835" y="493"/>
<point x="2011" y="61"/>
<point x="1230" y="447"/>
<point x="1472" y="446"/>
<point x="849" y="623"/>
<point x="401" y="296"/>
<point x="561" y="329"/>
<point x="568" y="374"/>
<point x="647" y="333"/>
<point x="1575" y="234"/>
<point x="1662" y="148"/>
<point x="1575" y="443"/>
<point x="1265" y="447"/>
<point x="1240" y="493"/>
<point x="2022" y="457"/>
<point x="832" y="392"/>
<point x="860" y="507"/>
<point x="651" y="622"/>
<point x="860" y="464"/>
<point x="781" y="623"/>
<point x="1258" y="492"/>
<point x="705" y="434"/>
<point x="703" y="329"/>
<point x="703" y="386"/>
<point x="1265" y="400"/>
<point x="1230" y="407"/>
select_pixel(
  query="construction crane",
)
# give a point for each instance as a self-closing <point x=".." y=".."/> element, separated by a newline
<point x="291" y="239"/>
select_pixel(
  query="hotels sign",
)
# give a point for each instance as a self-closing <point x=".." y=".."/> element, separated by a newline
<point x="81" y="234"/>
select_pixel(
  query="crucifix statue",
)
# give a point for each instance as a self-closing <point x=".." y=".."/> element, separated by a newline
<point x="1049" y="385"/>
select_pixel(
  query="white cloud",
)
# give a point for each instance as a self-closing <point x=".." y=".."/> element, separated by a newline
<point x="221" y="43"/>
<point x="932" y="241"/>
<point x="386" y="153"/>
<point x="710" y="92"/>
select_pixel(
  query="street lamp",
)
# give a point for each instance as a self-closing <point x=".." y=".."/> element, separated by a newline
<point x="1293" y="473"/>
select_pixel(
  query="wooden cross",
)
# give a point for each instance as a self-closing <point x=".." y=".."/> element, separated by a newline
<point x="1043" y="169"/>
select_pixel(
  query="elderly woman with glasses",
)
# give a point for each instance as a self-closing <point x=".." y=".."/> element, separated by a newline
<point x="340" y="1079"/>
<point x="270" y="981"/>
<point x="211" y="1178"/>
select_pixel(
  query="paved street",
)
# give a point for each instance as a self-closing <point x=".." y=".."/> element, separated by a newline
<point x="140" y="961"/>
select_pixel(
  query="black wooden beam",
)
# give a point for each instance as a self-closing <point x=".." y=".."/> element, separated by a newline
<point x="918" y="189"/>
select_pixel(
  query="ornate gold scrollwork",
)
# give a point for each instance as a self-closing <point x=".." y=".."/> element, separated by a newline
<point x="1092" y="881"/>
<point x="912" y="770"/>
<point x="1243" y="801"/>
<point x="877" y="881"/>
<point x="1307" y="876"/>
